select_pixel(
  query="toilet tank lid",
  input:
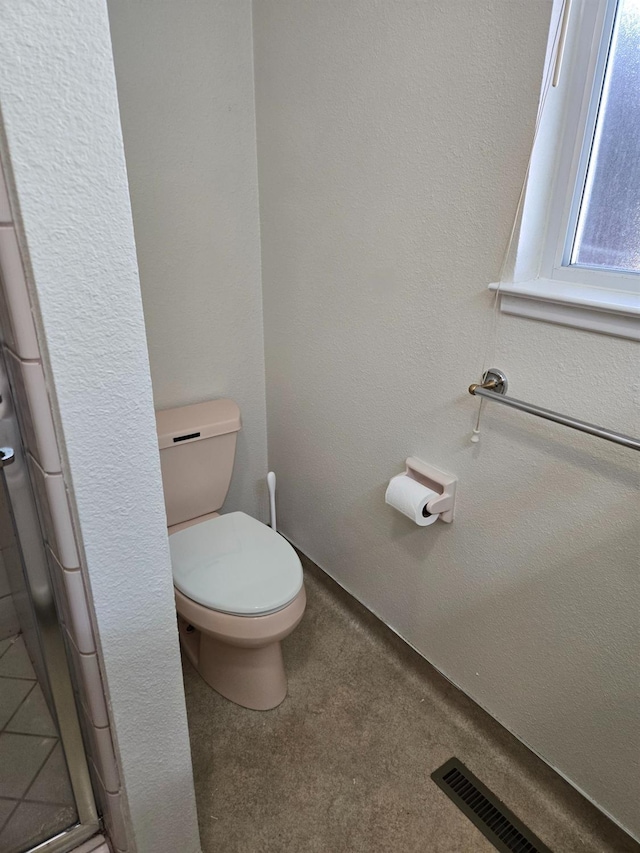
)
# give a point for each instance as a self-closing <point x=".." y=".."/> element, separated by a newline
<point x="201" y="420"/>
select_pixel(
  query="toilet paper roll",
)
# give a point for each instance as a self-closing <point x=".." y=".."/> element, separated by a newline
<point x="411" y="498"/>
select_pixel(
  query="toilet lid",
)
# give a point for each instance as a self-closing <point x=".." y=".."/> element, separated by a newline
<point x="236" y="565"/>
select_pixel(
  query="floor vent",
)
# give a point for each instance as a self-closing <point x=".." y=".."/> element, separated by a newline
<point x="484" y="809"/>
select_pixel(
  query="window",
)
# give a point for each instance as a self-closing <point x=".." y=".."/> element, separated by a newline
<point x="607" y="234"/>
<point x="576" y="256"/>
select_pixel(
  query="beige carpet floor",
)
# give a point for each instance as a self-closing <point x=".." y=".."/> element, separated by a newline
<point x="344" y="764"/>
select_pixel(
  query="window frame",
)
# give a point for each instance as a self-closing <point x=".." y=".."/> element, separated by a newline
<point x="536" y="281"/>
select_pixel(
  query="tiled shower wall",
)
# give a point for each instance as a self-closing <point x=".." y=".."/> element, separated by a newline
<point x="27" y="377"/>
<point x="9" y="624"/>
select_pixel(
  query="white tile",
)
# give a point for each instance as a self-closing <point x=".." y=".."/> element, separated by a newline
<point x="21" y="757"/>
<point x="115" y="822"/>
<point x="5" y="589"/>
<point x="60" y="593"/>
<point x="52" y="783"/>
<point x="106" y="759"/>
<point x="96" y="782"/>
<point x="34" y="411"/>
<point x="38" y="478"/>
<point x="101" y="753"/>
<point x="5" y="208"/>
<point x="9" y="624"/>
<point x="7" y="534"/>
<point x="33" y="716"/>
<point x="13" y="692"/>
<point x="94" y="845"/>
<point x="12" y="557"/>
<point x="79" y="621"/>
<point x="113" y="813"/>
<point x="90" y="686"/>
<point x="17" y="295"/>
<point x="6" y="808"/>
<point x="32" y="823"/>
<point x="6" y="329"/>
<point x="21" y="401"/>
<point x="93" y="689"/>
<point x="61" y="517"/>
<point x="55" y="514"/>
<point x="15" y="662"/>
<point x="4" y="645"/>
<point x="40" y="406"/>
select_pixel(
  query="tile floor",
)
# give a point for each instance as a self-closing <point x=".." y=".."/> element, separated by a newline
<point x="344" y="764"/>
<point x="36" y="800"/>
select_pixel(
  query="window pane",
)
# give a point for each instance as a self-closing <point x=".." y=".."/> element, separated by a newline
<point x="608" y="232"/>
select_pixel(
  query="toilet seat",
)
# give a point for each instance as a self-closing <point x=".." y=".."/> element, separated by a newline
<point x="235" y="564"/>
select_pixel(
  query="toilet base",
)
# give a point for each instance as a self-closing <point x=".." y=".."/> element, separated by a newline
<point x="253" y="678"/>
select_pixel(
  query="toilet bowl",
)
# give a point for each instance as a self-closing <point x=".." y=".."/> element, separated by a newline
<point x="238" y="584"/>
<point x="239" y="656"/>
<point x="239" y="592"/>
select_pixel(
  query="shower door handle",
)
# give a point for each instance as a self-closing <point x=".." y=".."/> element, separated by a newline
<point x="7" y="456"/>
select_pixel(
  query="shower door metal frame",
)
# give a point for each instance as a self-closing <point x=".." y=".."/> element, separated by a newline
<point x="21" y="501"/>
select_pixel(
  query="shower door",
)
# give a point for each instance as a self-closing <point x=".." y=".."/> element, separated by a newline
<point x="46" y="801"/>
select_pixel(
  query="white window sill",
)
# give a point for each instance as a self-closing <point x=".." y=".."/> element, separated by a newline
<point x="610" y="312"/>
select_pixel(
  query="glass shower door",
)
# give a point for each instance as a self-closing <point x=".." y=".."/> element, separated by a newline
<point x="46" y="801"/>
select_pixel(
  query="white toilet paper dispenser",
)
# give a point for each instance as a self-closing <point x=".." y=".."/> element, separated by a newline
<point x="439" y="481"/>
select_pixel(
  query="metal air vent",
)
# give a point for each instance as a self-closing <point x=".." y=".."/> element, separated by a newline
<point x="494" y="820"/>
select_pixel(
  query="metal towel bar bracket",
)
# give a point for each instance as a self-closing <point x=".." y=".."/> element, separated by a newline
<point x="494" y="387"/>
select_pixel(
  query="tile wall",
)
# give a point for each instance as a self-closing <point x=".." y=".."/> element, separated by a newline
<point x="22" y="355"/>
<point x="36" y="799"/>
<point x="9" y="624"/>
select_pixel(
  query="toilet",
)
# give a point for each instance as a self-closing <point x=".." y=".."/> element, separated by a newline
<point x="238" y="584"/>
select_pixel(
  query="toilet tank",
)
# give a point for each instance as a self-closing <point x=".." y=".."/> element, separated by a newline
<point x="197" y="449"/>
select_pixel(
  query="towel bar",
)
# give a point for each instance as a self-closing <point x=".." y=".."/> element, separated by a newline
<point x="494" y="386"/>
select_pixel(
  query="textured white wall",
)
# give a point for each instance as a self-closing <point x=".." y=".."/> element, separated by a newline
<point x="392" y="140"/>
<point x="185" y="87"/>
<point x="58" y="101"/>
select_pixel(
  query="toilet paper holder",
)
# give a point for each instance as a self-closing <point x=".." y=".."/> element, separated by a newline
<point x="438" y="481"/>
